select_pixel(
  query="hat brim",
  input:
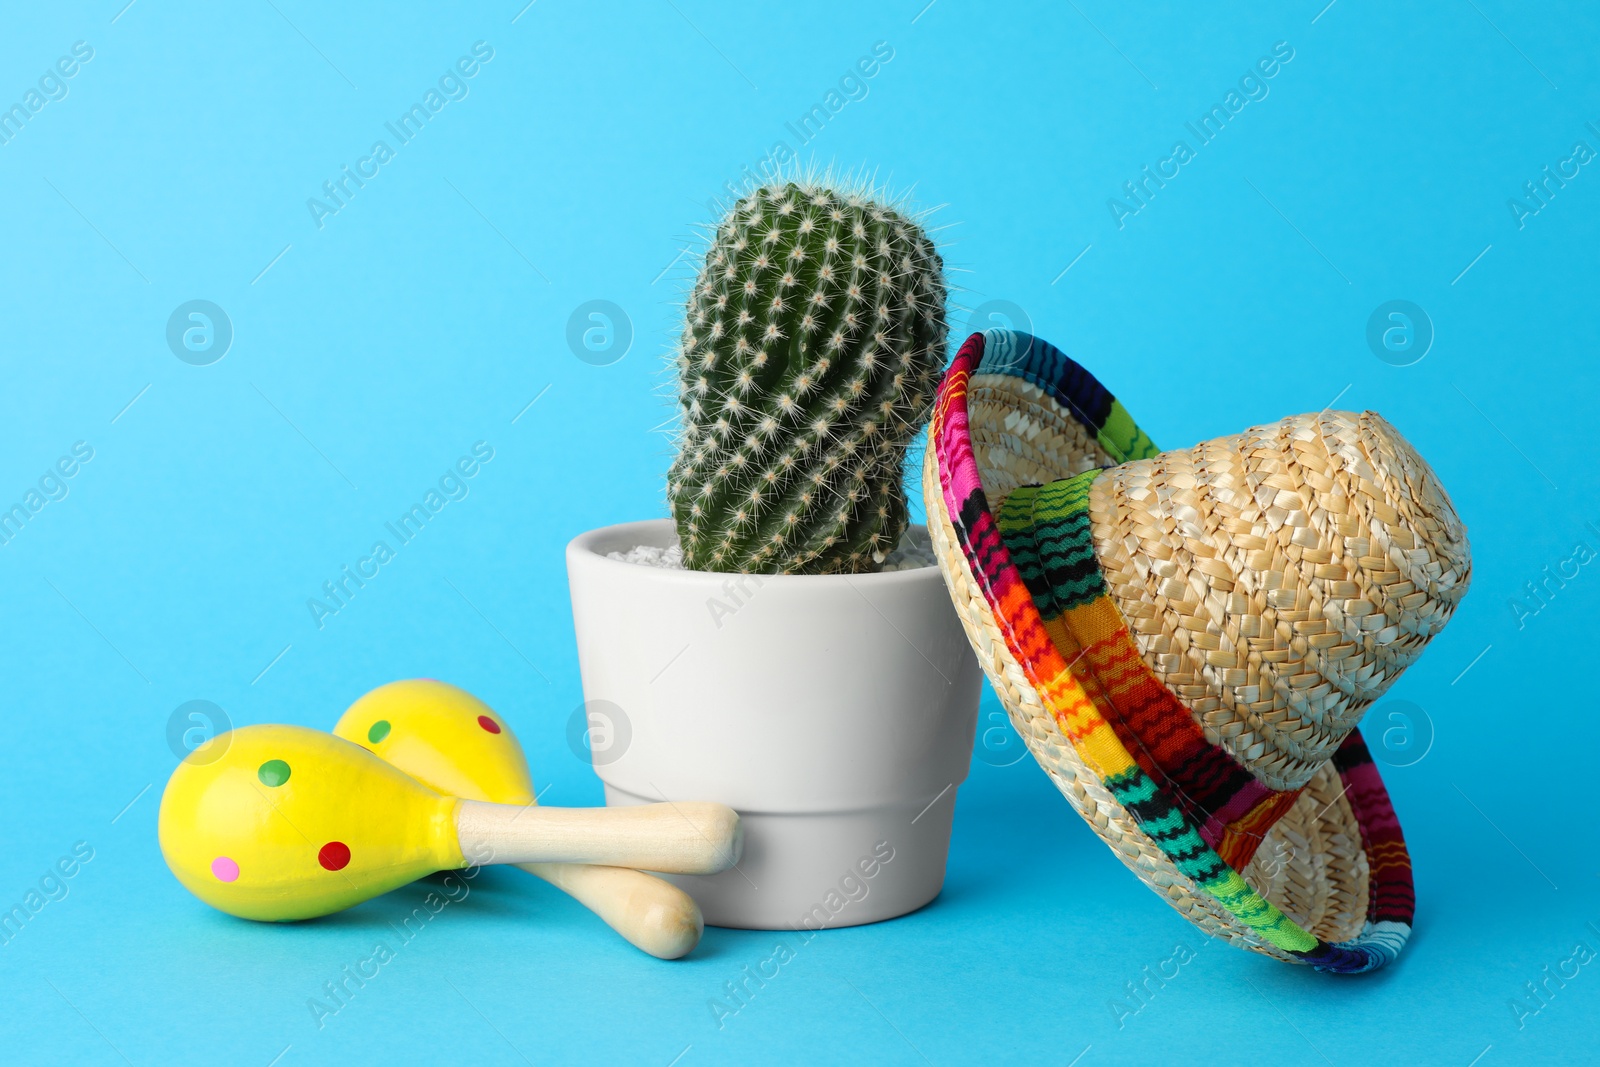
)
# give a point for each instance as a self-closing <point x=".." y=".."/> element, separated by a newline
<point x="1059" y="419"/>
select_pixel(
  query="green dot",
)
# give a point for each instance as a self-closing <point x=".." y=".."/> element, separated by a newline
<point x="274" y="772"/>
<point x="379" y="731"/>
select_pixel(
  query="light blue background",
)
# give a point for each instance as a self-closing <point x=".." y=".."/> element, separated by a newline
<point x="427" y="314"/>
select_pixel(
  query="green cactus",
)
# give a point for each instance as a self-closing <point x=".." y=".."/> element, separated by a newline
<point x="812" y="346"/>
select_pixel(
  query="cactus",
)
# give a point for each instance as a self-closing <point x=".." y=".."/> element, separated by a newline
<point x="812" y="346"/>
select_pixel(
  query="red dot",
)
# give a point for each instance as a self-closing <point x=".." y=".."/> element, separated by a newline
<point x="488" y="724"/>
<point x="334" y="855"/>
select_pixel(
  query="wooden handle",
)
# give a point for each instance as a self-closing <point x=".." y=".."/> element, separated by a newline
<point x="687" y="838"/>
<point x="652" y="914"/>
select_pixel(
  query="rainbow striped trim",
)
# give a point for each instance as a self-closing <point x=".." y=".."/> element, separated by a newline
<point x="1046" y="529"/>
<point x="1036" y="567"/>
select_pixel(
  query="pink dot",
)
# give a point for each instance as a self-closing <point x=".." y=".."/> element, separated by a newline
<point x="488" y="724"/>
<point x="225" y="869"/>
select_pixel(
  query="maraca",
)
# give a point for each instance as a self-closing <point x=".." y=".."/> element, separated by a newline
<point x="452" y="742"/>
<point x="289" y="823"/>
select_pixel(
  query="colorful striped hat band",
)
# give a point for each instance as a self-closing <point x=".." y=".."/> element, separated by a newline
<point x="1187" y="640"/>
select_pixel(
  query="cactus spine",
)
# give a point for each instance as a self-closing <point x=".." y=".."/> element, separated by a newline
<point x="812" y="346"/>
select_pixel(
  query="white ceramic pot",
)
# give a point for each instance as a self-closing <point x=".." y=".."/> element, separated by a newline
<point x="834" y="713"/>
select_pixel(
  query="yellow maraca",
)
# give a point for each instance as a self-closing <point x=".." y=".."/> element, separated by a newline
<point x="454" y="743"/>
<point x="290" y="823"/>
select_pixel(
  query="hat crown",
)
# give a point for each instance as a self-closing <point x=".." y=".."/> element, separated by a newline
<point x="1277" y="581"/>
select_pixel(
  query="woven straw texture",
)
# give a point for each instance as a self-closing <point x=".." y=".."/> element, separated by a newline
<point x="1278" y="580"/>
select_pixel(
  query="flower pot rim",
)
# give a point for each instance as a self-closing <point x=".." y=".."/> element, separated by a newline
<point x="624" y="535"/>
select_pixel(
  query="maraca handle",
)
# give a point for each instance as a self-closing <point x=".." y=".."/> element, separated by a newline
<point x="687" y="838"/>
<point x="653" y="915"/>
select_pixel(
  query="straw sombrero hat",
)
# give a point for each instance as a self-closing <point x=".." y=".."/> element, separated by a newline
<point x="1187" y="640"/>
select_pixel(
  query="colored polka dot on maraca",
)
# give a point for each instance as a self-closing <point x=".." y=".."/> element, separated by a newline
<point x="379" y="731"/>
<point x="488" y="724"/>
<point x="274" y="772"/>
<point x="224" y="869"/>
<point x="334" y="855"/>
